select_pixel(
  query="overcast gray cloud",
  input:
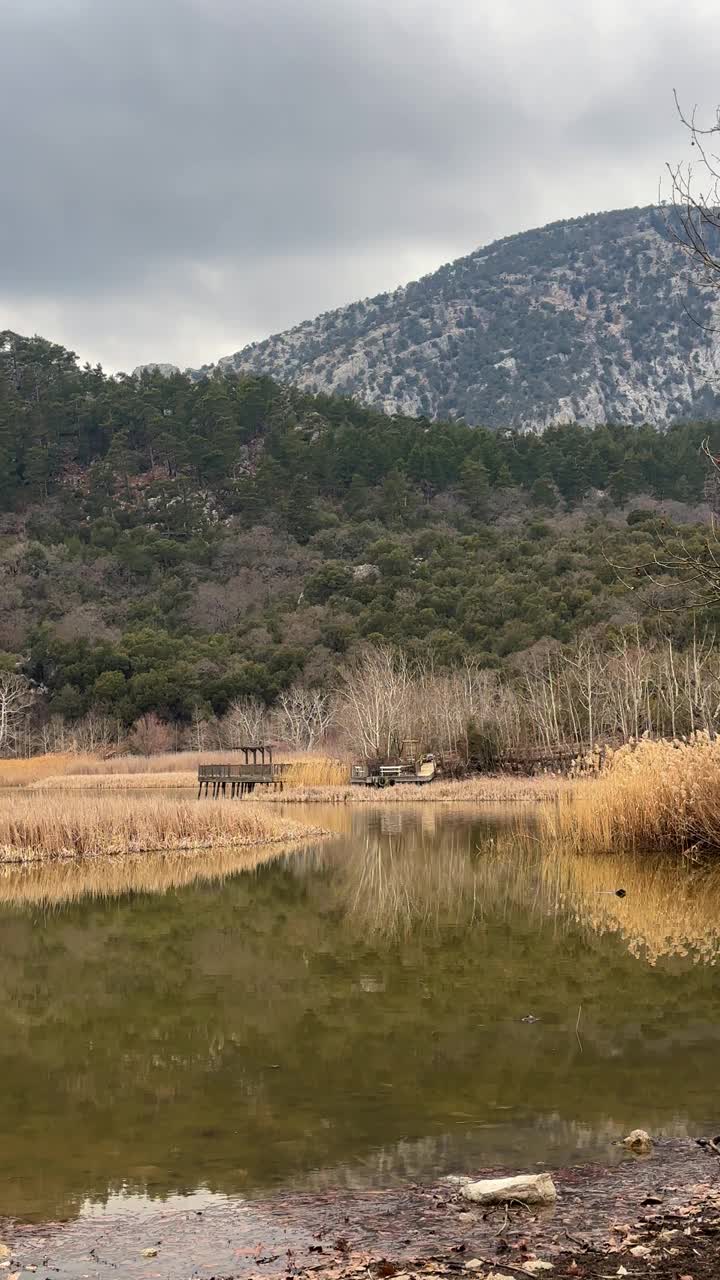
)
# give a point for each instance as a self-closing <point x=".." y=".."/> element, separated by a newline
<point x="180" y="177"/>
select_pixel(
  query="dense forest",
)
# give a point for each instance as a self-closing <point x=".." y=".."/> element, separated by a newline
<point x="169" y="545"/>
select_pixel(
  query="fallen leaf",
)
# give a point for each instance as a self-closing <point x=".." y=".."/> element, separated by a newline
<point x="641" y="1251"/>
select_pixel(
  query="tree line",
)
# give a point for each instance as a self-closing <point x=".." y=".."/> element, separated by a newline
<point x="382" y="703"/>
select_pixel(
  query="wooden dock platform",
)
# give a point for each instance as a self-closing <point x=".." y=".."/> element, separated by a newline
<point x="241" y="778"/>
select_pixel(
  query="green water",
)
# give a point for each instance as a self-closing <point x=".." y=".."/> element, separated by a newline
<point x="350" y="1013"/>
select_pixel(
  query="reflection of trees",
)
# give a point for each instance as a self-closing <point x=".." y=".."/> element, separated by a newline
<point x="418" y="871"/>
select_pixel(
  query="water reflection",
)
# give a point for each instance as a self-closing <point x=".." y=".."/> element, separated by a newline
<point x="349" y="1012"/>
<point x="667" y="909"/>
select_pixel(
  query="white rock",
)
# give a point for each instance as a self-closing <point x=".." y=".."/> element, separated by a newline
<point x="156" y="366"/>
<point x="527" y="1188"/>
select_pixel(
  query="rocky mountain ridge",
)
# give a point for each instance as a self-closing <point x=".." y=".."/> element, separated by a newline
<point x="592" y="320"/>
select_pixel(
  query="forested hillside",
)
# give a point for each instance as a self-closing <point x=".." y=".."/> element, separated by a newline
<point x="169" y="545"/>
<point x="597" y="319"/>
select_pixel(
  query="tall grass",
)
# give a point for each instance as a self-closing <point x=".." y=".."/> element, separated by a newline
<point x="24" y="773"/>
<point x="55" y="825"/>
<point x="479" y="790"/>
<point x="120" y="782"/>
<point x="652" y="797"/>
<point x="315" y="771"/>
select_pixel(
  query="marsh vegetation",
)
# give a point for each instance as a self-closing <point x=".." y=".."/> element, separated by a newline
<point x="651" y="797"/>
<point x="57" y="825"/>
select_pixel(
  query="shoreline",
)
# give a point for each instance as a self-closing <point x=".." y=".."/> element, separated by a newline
<point x="55" y="825"/>
<point x="656" y="1216"/>
<point x="294" y="837"/>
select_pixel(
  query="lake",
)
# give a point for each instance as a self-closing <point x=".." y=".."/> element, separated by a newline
<point x="353" y="1013"/>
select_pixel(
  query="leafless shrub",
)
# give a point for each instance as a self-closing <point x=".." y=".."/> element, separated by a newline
<point x="150" y="736"/>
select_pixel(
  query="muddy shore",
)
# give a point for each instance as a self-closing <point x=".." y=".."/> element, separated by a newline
<point x="658" y="1216"/>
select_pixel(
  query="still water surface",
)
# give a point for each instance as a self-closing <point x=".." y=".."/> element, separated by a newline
<point x="350" y="1013"/>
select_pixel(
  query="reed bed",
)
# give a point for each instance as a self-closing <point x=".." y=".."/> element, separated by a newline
<point x="55" y="826"/>
<point x="162" y="771"/>
<point x="315" y="771"/>
<point x="27" y="773"/>
<point x="165" y="762"/>
<point x="322" y="780"/>
<point x="120" y="782"/>
<point x="480" y="790"/>
<point x="661" y="796"/>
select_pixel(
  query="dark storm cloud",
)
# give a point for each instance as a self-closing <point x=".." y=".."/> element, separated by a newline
<point x="182" y="175"/>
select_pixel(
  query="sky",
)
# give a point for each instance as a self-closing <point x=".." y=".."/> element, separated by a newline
<point x="181" y="177"/>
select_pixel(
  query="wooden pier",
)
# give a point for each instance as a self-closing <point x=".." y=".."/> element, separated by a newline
<point x="237" y="780"/>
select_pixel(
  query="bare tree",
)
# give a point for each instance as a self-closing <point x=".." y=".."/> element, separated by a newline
<point x="372" y="696"/>
<point x="17" y="696"/>
<point x="695" y="197"/>
<point x="246" y="721"/>
<point x="304" y="716"/>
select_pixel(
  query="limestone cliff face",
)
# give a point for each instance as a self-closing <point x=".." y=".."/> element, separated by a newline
<point x="582" y="321"/>
<point x="166" y="370"/>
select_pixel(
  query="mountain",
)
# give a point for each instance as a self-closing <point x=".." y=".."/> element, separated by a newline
<point x="581" y="321"/>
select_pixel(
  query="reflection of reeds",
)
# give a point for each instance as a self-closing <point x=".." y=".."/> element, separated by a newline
<point x="652" y="797"/>
<point x="48" y="824"/>
<point x="53" y="884"/>
<point x="668" y="909"/>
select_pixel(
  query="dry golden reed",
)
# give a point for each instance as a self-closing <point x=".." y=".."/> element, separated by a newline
<point x="121" y="782"/>
<point x="661" y="796"/>
<point x="138" y="773"/>
<point x="52" y="824"/>
<point x="480" y="790"/>
<point x="25" y="773"/>
<point x="315" y="771"/>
